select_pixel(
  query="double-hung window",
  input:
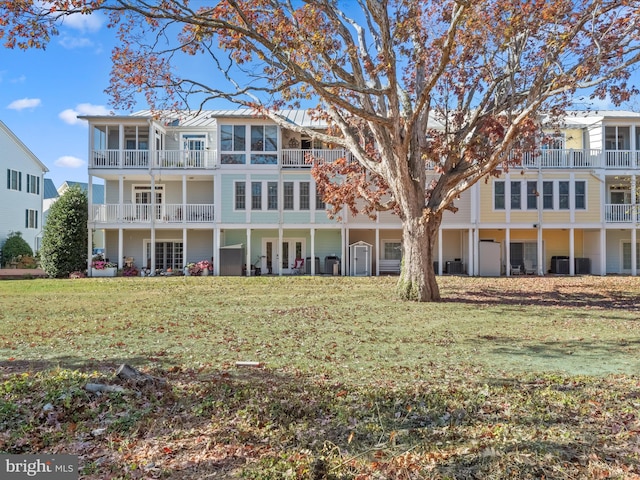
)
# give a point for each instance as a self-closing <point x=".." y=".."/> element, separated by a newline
<point x="580" y="195"/>
<point x="272" y="195"/>
<point x="547" y="195"/>
<point x="256" y="195"/>
<point x="241" y="195"/>
<point x="14" y="180"/>
<point x="498" y="195"/>
<point x="516" y="198"/>
<point x="288" y="196"/>
<point x="33" y="184"/>
<point x="563" y="195"/>
<point x="304" y="195"/>
<point x="532" y="195"/>
<point x="31" y="219"/>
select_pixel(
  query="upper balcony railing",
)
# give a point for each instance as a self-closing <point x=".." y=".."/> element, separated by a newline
<point x="305" y="158"/>
<point x="621" y="213"/>
<point x="144" y="213"/>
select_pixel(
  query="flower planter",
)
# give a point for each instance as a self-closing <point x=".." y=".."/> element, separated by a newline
<point x="104" y="272"/>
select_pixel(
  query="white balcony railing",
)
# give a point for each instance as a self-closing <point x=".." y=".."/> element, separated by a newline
<point x="142" y="213"/>
<point x="621" y="213"/>
<point x="301" y="158"/>
<point x="296" y="157"/>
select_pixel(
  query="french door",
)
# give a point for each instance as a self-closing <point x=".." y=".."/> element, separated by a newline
<point x="280" y="260"/>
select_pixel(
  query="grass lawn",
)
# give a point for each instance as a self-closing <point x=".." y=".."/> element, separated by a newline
<point x="506" y="378"/>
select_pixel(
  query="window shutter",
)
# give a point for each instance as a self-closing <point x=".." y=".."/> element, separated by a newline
<point x="36" y="225"/>
<point x="8" y="179"/>
<point x="26" y="218"/>
<point x="38" y="185"/>
<point x="19" y="181"/>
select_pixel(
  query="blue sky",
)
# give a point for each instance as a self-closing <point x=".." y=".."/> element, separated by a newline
<point x="42" y="92"/>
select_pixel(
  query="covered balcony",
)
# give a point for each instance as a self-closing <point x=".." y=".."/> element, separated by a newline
<point x="144" y="213"/>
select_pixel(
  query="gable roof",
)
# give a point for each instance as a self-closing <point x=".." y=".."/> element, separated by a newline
<point x="50" y="190"/>
<point x="22" y="146"/>
<point x="97" y="189"/>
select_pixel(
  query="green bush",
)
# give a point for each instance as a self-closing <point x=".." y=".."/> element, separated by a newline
<point x="64" y="243"/>
<point x="15" y="246"/>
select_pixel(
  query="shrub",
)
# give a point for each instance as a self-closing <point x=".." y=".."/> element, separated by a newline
<point x="65" y="239"/>
<point x="15" y="246"/>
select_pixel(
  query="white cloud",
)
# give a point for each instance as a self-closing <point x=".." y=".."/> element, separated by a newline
<point x="84" y="23"/>
<point x="70" y="115"/>
<point x="68" y="161"/>
<point x="75" y="42"/>
<point x="24" y="103"/>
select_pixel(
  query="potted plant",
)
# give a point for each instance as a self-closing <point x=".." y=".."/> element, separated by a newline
<point x="103" y="268"/>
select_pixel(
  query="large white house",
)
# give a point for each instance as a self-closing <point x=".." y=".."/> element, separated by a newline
<point x="232" y="187"/>
<point x="22" y="193"/>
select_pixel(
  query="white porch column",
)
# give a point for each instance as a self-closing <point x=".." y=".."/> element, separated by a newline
<point x="153" y="252"/>
<point x="120" y="248"/>
<point x="440" y="263"/>
<point x="185" y="248"/>
<point x="278" y="260"/>
<point x="121" y="198"/>
<point x="470" y="263"/>
<point x="634" y="256"/>
<point x="312" y="234"/>
<point x="634" y="224"/>
<point x="476" y="251"/>
<point x="541" y="259"/>
<point x="507" y="248"/>
<point x="248" y="254"/>
<point x="377" y="257"/>
<point x="153" y="224"/>
<point x="342" y="248"/>
<point x="603" y="251"/>
<point x="572" y="253"/>
<point x="184" y="198"/>
<point x="91" y="221"/>
<point x="216" y="252"/>
<point x="345" y="246"/>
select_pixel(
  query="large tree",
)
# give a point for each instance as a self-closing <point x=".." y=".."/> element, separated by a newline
<point x="455" y="84"/>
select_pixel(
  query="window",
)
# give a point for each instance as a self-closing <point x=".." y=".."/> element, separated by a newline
<point x="168" y="255"/>
<point x="33" y="184"/>
<point x="498" y="195"/>
<point x="320" y="205"/>
<point x="515" y="196"/>
<point x="241" y="194"/>
<point x="626" y="255"/>
<point x="532" y="195"/>
<point x="264" y="139"/>
<point x="31" y="219"/>
<point x="256" y="195"/>
<point x="304" y="195"/>
<point x="14" y="180"/>
<point x="391" y="250"/>
<point x="232" y="140"/>
<point x="287" y="195"/>
<point x="272" y="195"/>
<point x="580" y="195"/>
<point x="194" y="146"/>
<point x="563" y="195"/>
<point x="547" y="195"/>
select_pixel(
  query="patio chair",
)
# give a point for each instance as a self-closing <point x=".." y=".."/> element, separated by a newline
<point x="298" y="264"/>
<point x="516" y="269"/>
<point x="529" y="268"/>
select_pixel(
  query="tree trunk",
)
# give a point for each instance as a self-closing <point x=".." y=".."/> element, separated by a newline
<point x="417" y="277"/>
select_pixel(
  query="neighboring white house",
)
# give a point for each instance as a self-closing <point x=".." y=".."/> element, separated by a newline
<point x="22" y="193"/>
